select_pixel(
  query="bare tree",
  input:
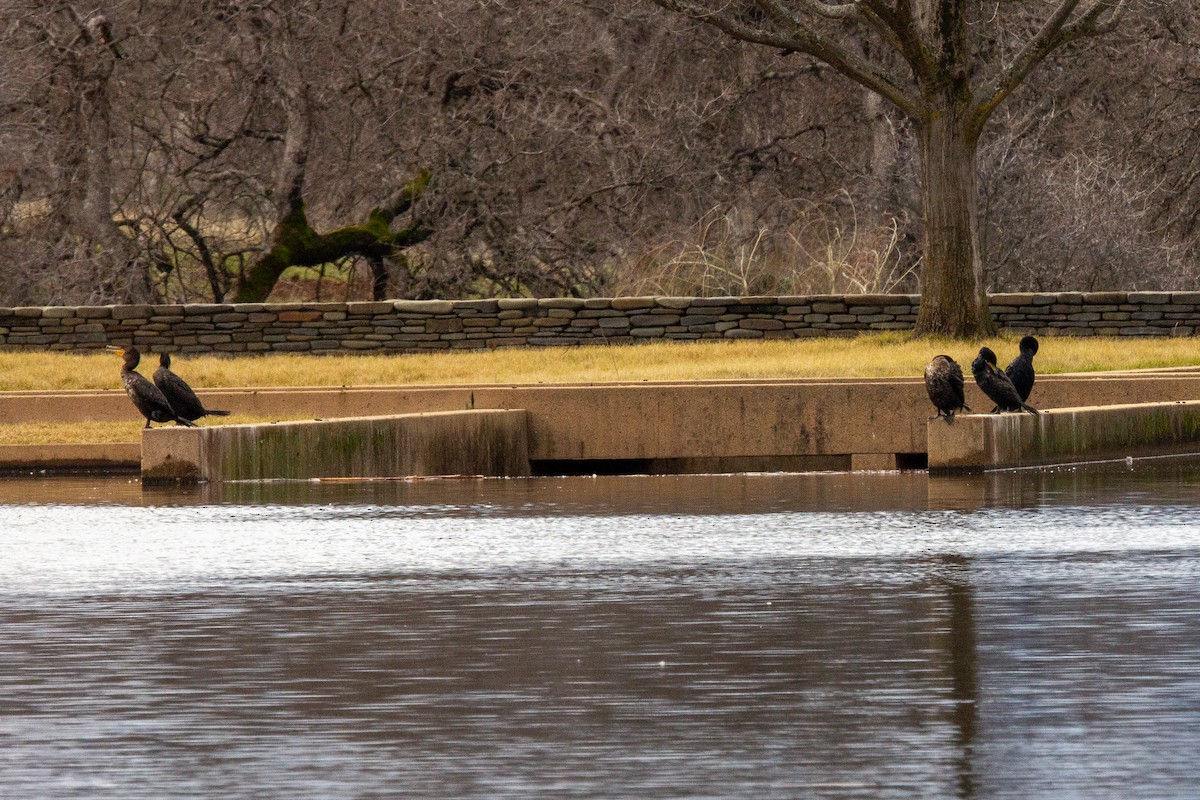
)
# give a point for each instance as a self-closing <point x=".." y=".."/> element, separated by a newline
<point x="572" y="148"/>
<point x="73" y="58"/>
<point x="1099" y="158"/>
<point x="292" y="34"/>
<point x="563" y="142"/>
<point x="922" y="60"/>
<point x="1169" y="150"/>
<point x="574" y="145"/>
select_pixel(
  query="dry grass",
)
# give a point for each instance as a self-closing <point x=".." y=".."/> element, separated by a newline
<point x="73" y="433"/>
<point x="89" y="432"/>
<point x="886" y="355"/>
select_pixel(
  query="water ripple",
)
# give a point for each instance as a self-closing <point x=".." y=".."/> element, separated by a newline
<point x="538" y="646"/>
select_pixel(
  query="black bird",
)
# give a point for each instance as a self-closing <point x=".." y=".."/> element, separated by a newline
<point x="944" y="383"/>
<point x="1020" y="369"/>
<point x="145" y="395"/>
<point x="996" y="385"/>
<point x="179" y="394"/>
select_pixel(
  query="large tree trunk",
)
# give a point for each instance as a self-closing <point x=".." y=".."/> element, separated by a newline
<point x="933" y="37"/>
<point x="953" y="297"/>
<point x="96" y="214"/>
<point x="91" y="236"/>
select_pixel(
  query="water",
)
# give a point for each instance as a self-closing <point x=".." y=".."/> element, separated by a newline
<point x="785" y="636"/>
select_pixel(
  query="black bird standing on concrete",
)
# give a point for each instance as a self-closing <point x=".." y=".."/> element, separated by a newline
<point x="179" y="394"/>
<point x="145" y="395"/>
<point x="1020" y="369"/>
<point x="944" y="383"/>
<point x="996" y="385"/>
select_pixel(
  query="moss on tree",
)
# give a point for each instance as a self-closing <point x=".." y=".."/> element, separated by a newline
<point x="294" y="243"/>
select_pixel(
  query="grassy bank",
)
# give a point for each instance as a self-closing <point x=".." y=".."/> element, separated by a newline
<point x="887" y="355"/>
<point x="93" y="432"/>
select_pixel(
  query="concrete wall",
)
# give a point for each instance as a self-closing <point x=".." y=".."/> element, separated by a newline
<point x="489" y="443"/>
<point x="979" y="442"/>
<point x="709" y="426"/>
<point x="415" y="326"/>
<point x="26" y="458"/>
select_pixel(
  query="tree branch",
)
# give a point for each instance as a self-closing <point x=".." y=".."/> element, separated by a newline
<point x="890" y="27"/>
<point x="839" y="11"/>
<point x="402" y="199"/>
<point x="803" y="39"/>
<point x="830" y="10"/>
<point x="295" y="243"/>
<point x="1035" y="51"/>
<point x="203" y="253"/>
<point x="1089" y="22"/>
<point x="293" y="164"/>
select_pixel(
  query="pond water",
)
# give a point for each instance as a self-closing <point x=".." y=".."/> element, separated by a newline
<point x="1027" y="634"/>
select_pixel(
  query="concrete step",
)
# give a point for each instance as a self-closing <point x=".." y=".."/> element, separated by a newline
<point x="982" y="442"/>
<point x="489" y="443"/>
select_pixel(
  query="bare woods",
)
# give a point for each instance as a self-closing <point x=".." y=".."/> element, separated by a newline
<point x="200" y="152"/>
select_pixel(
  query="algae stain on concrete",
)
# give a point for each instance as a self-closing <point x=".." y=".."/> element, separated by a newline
<point x="250" y="452"/>
<point x="1070" y="435"/>
<point x="1059" y="433"/>
<point x="490" y="442"/>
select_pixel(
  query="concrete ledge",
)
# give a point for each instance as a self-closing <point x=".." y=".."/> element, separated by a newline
<point x="701" y="426"/>
<point x="979" y="442"/>
<point x="70" y="456"/>
<point x="490" y="443"/>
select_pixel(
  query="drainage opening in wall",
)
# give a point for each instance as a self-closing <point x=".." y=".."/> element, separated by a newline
<point x="607" y="466"/>
<point x="912" y="460"/>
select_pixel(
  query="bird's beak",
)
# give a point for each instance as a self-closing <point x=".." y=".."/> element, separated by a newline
<point x="114" y="349"/>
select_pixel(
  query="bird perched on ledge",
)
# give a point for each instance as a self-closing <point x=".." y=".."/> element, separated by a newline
<point x="944" y="383"/>
<point x="1020" y="369"/>
<point x="146" y="397"/>
<point x="179" y="394"/>
<point x="996" y="385"/>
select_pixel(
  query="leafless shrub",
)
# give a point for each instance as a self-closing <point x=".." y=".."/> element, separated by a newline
<point x="825" y="250"/>
<point x="1091" y="191"/>
<point x="846" y="256"/>
<point x="1095" y="227"/>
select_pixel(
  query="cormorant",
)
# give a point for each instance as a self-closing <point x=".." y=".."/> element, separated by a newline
<point x="179" y="394"/>
<point x="145" y="395"/>
<point x="944" y="383"/>
<point x="1020" y="369"/>
<point x="996" y="385"/>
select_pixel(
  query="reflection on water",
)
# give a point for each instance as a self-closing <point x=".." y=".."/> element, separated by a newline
<point x="850" y="636"/>
<point x="1158" y="481"/>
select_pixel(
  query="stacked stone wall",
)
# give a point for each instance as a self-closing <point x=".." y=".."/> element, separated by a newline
<point x="419" y="326"/>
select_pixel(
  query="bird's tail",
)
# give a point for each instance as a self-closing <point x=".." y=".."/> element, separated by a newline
<point x="213" y="412"/>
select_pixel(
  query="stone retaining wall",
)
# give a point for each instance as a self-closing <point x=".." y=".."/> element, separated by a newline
<point x="415" y="326"/>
